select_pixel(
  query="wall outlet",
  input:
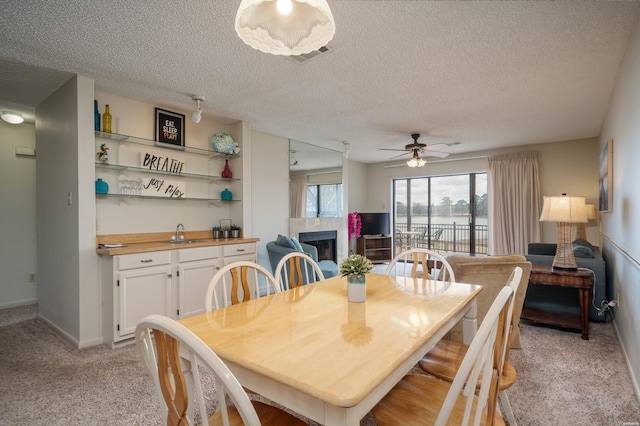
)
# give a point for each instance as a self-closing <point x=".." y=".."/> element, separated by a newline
<point x="32" y="277"/>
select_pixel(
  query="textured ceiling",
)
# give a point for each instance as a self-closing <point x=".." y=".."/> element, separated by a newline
<point x="485" y="74"/>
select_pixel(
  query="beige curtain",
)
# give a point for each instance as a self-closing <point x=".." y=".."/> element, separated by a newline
<point x="514" y="202"/>
<point x="298" y="196"/>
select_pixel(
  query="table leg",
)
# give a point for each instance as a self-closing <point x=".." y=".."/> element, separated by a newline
<point x="584" y="312"/>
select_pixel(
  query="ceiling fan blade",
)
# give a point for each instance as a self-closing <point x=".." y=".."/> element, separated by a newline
<point x="440" y="154"/>
<point x="399" y="155"/>
<point x="391" y="149"/>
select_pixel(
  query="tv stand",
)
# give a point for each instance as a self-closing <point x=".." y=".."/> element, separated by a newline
<point x="377" y="248"/>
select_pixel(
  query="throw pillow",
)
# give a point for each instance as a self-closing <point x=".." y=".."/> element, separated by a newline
<point x="582" y="248"/>
<point x="285" y="241"/>
<point x="296" y="243"/>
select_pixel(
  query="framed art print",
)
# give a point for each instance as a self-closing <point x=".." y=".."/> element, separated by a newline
<point x="606" y="177"/>
<point x="169" y="127"/>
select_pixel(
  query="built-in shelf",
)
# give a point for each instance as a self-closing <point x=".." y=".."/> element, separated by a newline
<point x="119" y="167"/>
<point x="152" y="197"/>
<point x="115" y="137"/>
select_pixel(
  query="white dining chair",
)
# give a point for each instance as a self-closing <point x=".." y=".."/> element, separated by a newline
<point x="421" y="263"/>
<point x="296" y="269"/>
<point x="425" y="400"/>
<point x="176" y="358"/>
<point x="444" y="360"/>
<point x="238" y="282"/>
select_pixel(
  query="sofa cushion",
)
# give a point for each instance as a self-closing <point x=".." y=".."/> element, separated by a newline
<point x="284" y="241"/>
<point x="582" y="248"/>
<point x="492" y="273"/>
<point x="297" y="244"/>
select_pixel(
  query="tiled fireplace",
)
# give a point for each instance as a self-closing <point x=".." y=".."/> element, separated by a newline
<point x="324" y="241"/>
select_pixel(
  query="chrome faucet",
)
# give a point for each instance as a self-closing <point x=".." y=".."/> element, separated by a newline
<point x="179" y="237"/>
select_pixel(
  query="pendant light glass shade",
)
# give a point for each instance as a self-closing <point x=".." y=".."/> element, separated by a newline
<point x="307" y="27"/>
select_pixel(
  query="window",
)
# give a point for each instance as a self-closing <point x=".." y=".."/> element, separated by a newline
<point x="443" y="213"/>
<point x="324" y="200"/>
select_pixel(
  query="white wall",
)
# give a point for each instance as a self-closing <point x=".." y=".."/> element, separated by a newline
<point x="568" y="166"/>
<point x="269" y="190"/>
<point x="621" y="227"/>
<point x="18" y="216"/>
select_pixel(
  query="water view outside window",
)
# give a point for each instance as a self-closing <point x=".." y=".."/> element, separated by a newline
<point x="324" y="200"/>
<point x="444" y="213"/>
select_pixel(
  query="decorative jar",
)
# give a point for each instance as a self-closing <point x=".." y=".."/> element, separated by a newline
<point x="102" y="187"/>
<point x="356" y="288"/>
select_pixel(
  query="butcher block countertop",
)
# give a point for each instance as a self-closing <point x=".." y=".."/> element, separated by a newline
<point x="159" y="241"/>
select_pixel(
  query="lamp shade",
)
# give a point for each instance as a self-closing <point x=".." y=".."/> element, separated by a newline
<point x="564" y="209"/>
<point x="591" y="211"/>
<point x="307" y="27"/>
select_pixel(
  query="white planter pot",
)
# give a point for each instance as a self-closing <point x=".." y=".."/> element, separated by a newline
<point x="356" y="288"/>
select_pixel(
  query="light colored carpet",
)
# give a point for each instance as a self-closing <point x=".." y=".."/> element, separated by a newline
<point x="563" y="380"/>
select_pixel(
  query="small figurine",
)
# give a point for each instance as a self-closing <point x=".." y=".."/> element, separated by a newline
<point x="103" y="155"/>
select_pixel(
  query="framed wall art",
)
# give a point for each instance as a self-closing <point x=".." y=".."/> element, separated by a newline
<point x="606" y="177"/>
<point x="169" y="127"/>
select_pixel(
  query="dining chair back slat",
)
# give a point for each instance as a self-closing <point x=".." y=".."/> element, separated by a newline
<point x="239" y="282"/>
<point x="297" y="269"/>
<point x="421" y="263"/>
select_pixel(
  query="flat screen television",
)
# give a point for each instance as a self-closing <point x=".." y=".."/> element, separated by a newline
<point x="374" y="224"/>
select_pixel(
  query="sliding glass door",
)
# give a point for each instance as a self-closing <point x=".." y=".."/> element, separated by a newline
<point x="443" y="213"/>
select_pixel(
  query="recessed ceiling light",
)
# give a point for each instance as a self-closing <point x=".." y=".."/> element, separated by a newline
<point x="12" y="118"/>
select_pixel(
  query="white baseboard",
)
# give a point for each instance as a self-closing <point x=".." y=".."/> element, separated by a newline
<point x="634" y="382"/>
<point x="18" y="303"/>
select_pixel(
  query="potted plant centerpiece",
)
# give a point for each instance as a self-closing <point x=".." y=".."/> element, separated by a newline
<point x="354" y="267"/>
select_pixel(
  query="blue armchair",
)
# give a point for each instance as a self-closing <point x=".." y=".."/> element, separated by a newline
<point x="278" y="251"/>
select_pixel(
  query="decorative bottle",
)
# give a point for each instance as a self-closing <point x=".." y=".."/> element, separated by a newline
<point x="96" y="116"/>
<point x="226" y="195"/>
<point x="106" y="120"/>
<point x="102" y="187"/>
<point x="226" y="173"/>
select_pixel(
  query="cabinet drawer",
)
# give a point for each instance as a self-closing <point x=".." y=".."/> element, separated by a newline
<point x="142" y="260"/>
<point x="236" y="249"/>
<point x="200" y="253"/>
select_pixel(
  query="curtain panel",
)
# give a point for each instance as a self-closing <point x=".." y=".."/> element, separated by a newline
<point x="514" y="202"/>
<point x="298" y="196"/>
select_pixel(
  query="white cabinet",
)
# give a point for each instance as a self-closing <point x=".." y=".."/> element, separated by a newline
<point x="140" y="285"/>
<point x="196" y="267"/>
<point x="172" y="283"/>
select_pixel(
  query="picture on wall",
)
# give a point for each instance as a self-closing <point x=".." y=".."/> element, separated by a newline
<point x="606" y="177"/>
<point x="169" y="127"/>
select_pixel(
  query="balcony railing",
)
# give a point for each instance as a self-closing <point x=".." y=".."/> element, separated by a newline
<point x="447" y="238"/>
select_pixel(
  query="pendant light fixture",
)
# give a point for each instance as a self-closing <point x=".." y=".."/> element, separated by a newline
<point x="285" y="27"/>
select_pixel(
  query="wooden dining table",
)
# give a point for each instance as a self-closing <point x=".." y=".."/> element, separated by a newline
<point x="331" y="360"/>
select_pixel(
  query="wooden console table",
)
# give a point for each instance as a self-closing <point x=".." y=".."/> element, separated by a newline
<point x="581" y="279"/>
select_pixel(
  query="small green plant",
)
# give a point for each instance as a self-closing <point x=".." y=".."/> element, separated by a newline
<point x="355" y="264"/>
<point x="225" y="228"/>
<point x="216" y="228"/>
<point x="234" y="228"/>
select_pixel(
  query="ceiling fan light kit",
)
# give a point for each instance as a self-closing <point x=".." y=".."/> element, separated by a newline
<point x="285" y="27"/>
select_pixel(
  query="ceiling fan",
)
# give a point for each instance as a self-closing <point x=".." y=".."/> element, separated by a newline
<point x="416" y="148"/>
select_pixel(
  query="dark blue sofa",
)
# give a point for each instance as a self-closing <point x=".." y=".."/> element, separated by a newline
<point x="566" y="299"/>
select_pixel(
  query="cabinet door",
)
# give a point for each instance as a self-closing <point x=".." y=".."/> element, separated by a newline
<point x="193" y="280"/>
<point x="142" y="292"/>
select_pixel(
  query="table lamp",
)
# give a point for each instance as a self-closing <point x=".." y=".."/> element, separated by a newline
<point x="564" y="211"/>
<point x="581" y="228"/>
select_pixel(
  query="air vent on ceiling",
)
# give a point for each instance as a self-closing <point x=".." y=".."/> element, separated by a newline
<point x="308" y="56"/>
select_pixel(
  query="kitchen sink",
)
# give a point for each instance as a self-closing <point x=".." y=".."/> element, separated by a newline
<point x="183" y="241"/>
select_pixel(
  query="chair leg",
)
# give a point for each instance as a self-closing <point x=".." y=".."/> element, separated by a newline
<point x="506" y="407"/>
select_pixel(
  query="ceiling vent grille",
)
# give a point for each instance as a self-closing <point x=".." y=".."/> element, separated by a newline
<point x="308" y="56"/>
